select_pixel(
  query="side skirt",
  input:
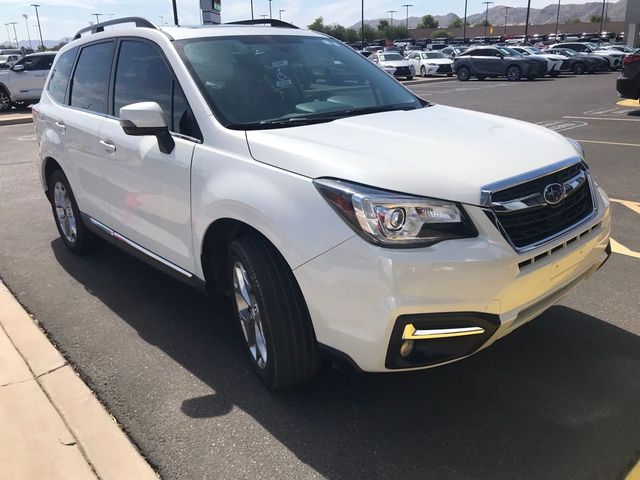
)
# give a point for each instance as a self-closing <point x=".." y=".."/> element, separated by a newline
<point x="141" y="253"/>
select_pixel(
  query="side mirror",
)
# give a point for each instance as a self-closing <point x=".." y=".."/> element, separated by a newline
<point x="18" y="68"/>
<point x="147" y="118"/>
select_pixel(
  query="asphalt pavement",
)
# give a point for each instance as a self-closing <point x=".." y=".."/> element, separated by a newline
<point x="556" y="399"/>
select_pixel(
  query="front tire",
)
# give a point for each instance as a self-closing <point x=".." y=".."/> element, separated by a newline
<point x="423" y="71"/>
<point x="74" y="234"/>
<point x="514" y="73"/>
<point x="272" y="314"/>
<point x="578" y="68"/>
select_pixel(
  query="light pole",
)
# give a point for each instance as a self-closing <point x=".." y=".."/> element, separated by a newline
<point x="161" y="17"/>
<point x="464" y="24"/>
<point x="526" y="24"/>
<point x="557" y="21"/>
<point x="15" y="35"/>
<point x="270" y="16"/>
<point x="264" y="16"/>
<point x="251" y="9"/>
<point x="280" y="13"/>
<point x="506" y="16"/>
<point x="486" y="18"/>
<point x="362" y="26"/>
<point x="35" y="5"/>
<point x="604" y="3"/>
<point x="391" y="12"/>
<point x="97" y="15"/>
<point x="26" y="18"/>
<point x="406" y="5"/>
<point x="175" y="13"/>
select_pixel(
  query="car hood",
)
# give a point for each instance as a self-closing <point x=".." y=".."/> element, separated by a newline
<point x="395" y="63"/>
<point x="420" y="152"/>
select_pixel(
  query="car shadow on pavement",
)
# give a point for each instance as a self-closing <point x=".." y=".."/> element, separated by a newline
<point x="559" y="398"/>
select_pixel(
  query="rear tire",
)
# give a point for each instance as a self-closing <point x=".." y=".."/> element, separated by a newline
<point x="272" y="314"/>
<point x="74" y="234"/>
<point x="423" y="71"/>
<point x="464" y="74"/>
<point x="5" y="100"/>
<point x="410" y="77"/>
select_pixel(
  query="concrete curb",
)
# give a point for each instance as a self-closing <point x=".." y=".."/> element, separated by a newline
<point x="63" y="402"/>
<point x="15" y="119"/>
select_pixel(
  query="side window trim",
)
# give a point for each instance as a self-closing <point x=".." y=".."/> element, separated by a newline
<point x="174" y="82"/>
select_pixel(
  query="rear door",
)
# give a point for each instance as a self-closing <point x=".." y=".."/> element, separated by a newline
<point x="150" y="191"/>
<point x="79" y="125"/>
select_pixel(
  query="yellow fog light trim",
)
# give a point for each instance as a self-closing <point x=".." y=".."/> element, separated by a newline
<point x="411" y="333"/>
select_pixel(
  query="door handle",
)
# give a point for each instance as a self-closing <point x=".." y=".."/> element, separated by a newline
<point x="108" y="146"/>
<point x="61" y="126"/>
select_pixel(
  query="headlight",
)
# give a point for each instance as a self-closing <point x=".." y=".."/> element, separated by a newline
<point x="396" y="220"/>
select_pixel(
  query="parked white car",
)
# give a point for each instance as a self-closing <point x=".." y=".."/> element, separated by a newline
<point x="554" y="62"/>
<point x="24" y="81"/>
<point x="430" y="63"/>
<point x="343" y="221"/>
<point x="394" y="64"/>
<point x="8" y="61"/>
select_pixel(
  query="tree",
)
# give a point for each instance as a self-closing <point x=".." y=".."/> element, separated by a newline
<point x="383" y="25"/>
<point x="441" y="34"/>
<point x="458" y="23"/>
<point x="574" y="20"/>
<point x="428" y="22"/>
<point x="597" y="19"/>
<point x="484" y="23"/>
<point x="317" y="25"/>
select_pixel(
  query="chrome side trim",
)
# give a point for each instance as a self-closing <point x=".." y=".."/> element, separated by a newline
<point x="537" y="199"/>
<point x="410" y="332"/>
<point x="143" y="250"/>
<point x="488" y="190"/>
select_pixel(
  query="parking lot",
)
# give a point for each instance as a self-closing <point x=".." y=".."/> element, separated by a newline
<point x="557" y="399"/>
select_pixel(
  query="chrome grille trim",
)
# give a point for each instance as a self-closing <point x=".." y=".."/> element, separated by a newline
<point x="574" y="183"/>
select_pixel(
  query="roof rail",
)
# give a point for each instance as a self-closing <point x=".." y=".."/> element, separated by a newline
<point x="99" y="27"/>
<point x="264" y="21"/>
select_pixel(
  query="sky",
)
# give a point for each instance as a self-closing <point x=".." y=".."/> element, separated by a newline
<point x="62" y="18"/>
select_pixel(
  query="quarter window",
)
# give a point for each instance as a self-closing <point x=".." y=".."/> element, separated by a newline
<point x="60" y="75"/>
<point x="91" y="77"/>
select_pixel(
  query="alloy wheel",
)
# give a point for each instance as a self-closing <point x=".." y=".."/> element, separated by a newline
<point x="64" y="212"/>
<point x="5" y="101"/>
<point x="249" y="315"/>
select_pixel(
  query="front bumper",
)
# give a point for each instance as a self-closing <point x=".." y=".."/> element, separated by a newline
<point x="360" y="296"/>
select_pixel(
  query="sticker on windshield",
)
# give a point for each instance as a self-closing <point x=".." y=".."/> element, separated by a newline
<point x="282" y="73"/>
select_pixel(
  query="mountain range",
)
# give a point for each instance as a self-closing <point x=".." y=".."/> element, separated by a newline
<point x="517" y="15"/>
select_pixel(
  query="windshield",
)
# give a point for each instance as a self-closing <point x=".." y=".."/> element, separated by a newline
<point x="390" y="57"/>
<point x="274" y="81"/>
<point x="510" y="52"/>
<point x="534" y="50"/>
<point x="432" y="55"/>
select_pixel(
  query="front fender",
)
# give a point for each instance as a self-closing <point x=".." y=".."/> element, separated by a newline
<point x="285" y="207"/>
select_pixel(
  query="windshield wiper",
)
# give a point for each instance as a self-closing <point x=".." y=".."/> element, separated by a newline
<point x="320" y="117"/>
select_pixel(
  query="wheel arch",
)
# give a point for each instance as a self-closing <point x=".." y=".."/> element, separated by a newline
<point x="49" y="165"/>
<point x="215" y="247"/>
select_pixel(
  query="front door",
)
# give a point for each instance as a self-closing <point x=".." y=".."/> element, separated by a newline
<point x="150" y="191"/>
<point x="28" y="83"/>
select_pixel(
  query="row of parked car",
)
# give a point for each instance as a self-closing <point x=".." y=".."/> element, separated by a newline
<point x="512" y="62"/>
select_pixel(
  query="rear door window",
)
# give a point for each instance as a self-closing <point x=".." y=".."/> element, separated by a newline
<point x="91" y="77"/>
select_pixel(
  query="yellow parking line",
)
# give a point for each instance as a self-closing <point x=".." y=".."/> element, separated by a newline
<point x="634" y="474"/>
<point x="629" y="103"/>
<point x="622" y="250"/>
<point x="635" y="206"/>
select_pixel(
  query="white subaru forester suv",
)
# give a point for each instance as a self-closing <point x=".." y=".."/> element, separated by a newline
<point x="342" y="216"/>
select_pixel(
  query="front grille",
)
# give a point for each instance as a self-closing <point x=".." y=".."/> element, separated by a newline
<point x="402" y="72"/>
<point x="530" y="226"/>
<point x="444" y="69"/>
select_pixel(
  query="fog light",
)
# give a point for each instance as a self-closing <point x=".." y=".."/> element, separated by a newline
<point x="395" y="219"/>
<point x="406" y="348"/>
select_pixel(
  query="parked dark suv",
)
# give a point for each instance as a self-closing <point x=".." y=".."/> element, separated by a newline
<point x="483" y="62"/>
<point x="629" y="82"/>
